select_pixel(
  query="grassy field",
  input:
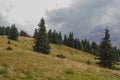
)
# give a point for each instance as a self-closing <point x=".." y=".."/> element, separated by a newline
<point x="23" y="64"/>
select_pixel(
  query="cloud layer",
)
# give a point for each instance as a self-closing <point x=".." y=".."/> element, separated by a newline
<point x="88" y="19"/>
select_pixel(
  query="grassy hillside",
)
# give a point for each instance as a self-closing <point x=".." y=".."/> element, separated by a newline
<point x="23" y="64"/>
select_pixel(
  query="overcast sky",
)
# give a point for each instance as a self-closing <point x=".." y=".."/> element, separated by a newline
<point x="86" y="18"/>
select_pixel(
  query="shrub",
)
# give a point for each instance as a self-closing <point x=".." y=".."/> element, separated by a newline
<point x="9" y="42"/>
<point x="69" y="71"/>
<point x="88" y="62"/>
<point x="60" y="56"/>
<point x="50" y="78"/>
<point x="9" y="48"/>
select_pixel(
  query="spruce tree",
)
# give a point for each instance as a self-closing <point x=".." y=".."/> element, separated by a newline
<point x="60" y="38"/>
<point x="95" y="48"/>
<point x="41" y="40"/>
<point x="55" y="37"/>
<point x="106" y="53"/>
<point x="65" y="41"/>
<point x="13" y="34"/>
<point x="0" y="30"/>
<point x="71" y="40"/>
<point x="7" y="30"/>
<point x="23" y="33"/>
<point x="35" y="33"/>
<point x="50" y="36"/>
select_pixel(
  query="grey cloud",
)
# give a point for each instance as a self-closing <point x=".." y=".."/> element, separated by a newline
<point x="3" y="21"/>
<point x="88" y="19"/>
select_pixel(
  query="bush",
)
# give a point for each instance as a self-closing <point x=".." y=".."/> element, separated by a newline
<point x="9" y="48"/>
<point x="70" y="71"/>
<point x="88" y="62"/>
<point x="60" y="56"/>
<point x="9" y="42"/>
<point x="50" y="78"/>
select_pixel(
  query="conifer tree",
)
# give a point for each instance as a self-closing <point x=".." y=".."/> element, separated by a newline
<point x="95" y="48"/>
<point x="55" y="37"/>
<point x="41" y="40"/>
<point x="23" y="33"/>
<point x="50" y="36"/>
<point x="60" y="38"/>
<point x="7" y="30"/>
<point x="13" y="34"/>
<point x="35" y="33"/>
<point x="71" y="40"/>
<point x="106" y="54"/>
<point x="65" y="41"/>
<point x="0" y="30"/>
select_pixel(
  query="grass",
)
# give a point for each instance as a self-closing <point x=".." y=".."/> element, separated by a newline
<point x="21" y="63"/>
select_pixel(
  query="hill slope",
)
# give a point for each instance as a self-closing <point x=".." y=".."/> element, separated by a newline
<point x="23" y="64"/>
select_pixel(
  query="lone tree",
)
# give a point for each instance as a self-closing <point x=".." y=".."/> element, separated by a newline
<point x="41" y="40"/>
<point x="106" y="51"/>
<point x="13" y="33"/>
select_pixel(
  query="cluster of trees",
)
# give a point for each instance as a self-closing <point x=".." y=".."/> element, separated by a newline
<point x="23" y="33"/>
<point x="4" y="30"/>
<point x="12" y="32"/>
<point x="108" y="54"/>
<point x="54" y="37"/>
<point x="83" y="45"/>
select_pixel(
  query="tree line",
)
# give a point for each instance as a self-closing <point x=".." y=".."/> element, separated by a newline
<point x="69" y="40"/>
<point x="107" y="53"/>
<point x="12" y="32"/>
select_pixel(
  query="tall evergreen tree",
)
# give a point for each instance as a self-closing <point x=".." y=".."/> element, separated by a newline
<point x="95" y="48"/>
<point x="35" y="33"/>
<point x="106" y="54"/>
<point x="55" y="37"/>
<point x="13" y="35"/>
<point x="41" y="40"/>
<point x="60" y="38"/>
<point x="7" y="30"/>
<point x="65" y="41"/>
<point x="71" y="40"/>
<point x="50" y="36"/>
<point x="0" y="30"/>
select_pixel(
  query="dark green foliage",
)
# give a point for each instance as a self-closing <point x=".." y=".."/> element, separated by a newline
<point x="95" y="48"/>
<point x="9" y="48"/>
<point x="107" y="54"/>
<point x="71" y="40"/>
<point x="50" y="78"/>
<point x="55" y="39"/>
<point x="13" y="34"/>
<point x="60" y="38"/>
<point x="60" y="56"/>
<point x="35" y="33"/>
<point x="88" y="62"/>
<point x="65" y="41"/>
<point x="70" y="71"/>
<point x="7" y="30"/>
<point x="41" y="40"/>
<point x="9" y="42"/>
<point x="4" y="30"/>
<point x="23" y="33"/>
<point x="50" y="36"/>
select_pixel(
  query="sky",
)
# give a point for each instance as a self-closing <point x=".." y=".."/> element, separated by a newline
<point x="85" y="18"/>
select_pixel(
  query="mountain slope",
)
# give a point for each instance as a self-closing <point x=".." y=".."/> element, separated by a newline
<point x="23" y="64"/>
